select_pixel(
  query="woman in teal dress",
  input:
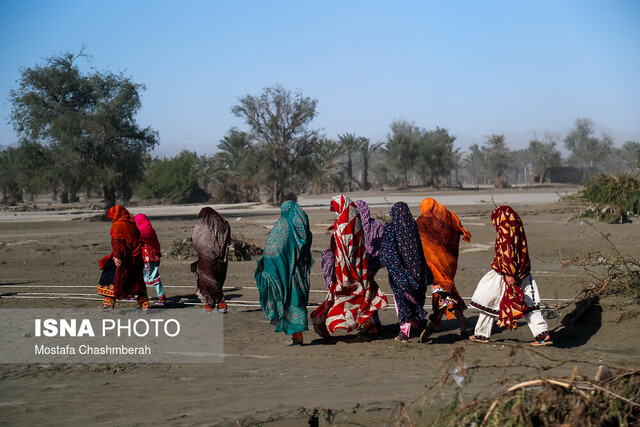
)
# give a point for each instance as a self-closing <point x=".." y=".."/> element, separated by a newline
<point x="283" y="272"/>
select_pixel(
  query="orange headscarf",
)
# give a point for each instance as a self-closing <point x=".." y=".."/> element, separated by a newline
<point x="124" y="228"/>
<point x="440" y="232"/>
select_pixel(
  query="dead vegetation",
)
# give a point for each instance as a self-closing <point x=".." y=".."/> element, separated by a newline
<point x="239" y="250"/>
<point x="611" y="398"/>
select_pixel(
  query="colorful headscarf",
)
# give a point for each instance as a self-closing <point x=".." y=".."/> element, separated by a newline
<point x="352" y="297"/>
<point x="211" y="236"/>
<point x="372" y="229"/>
<point x="147" y="233"/>
<point x="123" y="227"/>
<point x="511" y="259"/>
<point x="409" y="274"/>
<point x="440" y="231"/>
<point x="282" y="275"/>
<point x="511" y="254"/>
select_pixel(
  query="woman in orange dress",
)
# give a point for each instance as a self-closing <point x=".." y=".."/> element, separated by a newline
<point x="440" y="232"/>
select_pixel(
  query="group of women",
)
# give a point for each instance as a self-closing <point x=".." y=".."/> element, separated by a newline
<point x="133" y="263"/>
<point x="416" y="253"/>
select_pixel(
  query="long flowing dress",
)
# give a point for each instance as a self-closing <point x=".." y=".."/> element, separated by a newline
<point x="352" y="297"/>
<point x="494" y="297"/>
<point x="125" y="246"/>
<point x="372" y="230"/>
<point x="211" y="238"/>
<point x="151" y="254"/>
<point x="283" y="271"/>
<point x="440" y="232"/>
<point x="409" y="274"/>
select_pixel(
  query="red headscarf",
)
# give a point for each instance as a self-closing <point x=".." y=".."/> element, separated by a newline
<point x="511" y="254"/>
<point x="124" y="227"/>
<point x="147" y="233"/>
<point x="511" y="259"/>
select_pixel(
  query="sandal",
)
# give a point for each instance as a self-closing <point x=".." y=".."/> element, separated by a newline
<point x="426" y="332"/>
<point x="106" y="307"/>
<point x="402" y="337"/>
<point x="478" y="338"/>
<point x="293" y="342"/>
<point x="542" y="342"/>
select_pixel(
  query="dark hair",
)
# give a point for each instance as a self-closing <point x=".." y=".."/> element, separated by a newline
<point x="290" y="196"/>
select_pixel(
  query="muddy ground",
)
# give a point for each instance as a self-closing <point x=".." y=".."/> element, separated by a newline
<point x="263" y="382"/>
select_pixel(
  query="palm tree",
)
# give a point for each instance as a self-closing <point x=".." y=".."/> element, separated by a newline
<point x="366" y="150"/>
<point x="349" y="144"/>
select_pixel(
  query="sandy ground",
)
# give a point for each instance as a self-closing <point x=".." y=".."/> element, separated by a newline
<point x="46" y="254"/>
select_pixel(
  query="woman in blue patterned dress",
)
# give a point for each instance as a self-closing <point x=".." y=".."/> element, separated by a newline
<point x="409" y="274"/>
<point x="283" y="271"/>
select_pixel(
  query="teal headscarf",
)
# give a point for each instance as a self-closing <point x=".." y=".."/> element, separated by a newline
<point x="283" y="271"/>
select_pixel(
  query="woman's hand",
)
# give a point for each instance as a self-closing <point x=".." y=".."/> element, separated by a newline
<point x="117" y="262"/>
<point x="510" y="280"/>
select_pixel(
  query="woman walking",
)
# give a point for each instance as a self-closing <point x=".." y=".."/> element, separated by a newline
<point x="283" y="272"/>
<point x="211" y="239"/>
<point x="124" y="264"/>
<point x="353" y="297"/>
<point x="440" y="231"/>
<point x="150" y="256"/>
<point x="409" y="274"/>
<point x="508" y="291"/>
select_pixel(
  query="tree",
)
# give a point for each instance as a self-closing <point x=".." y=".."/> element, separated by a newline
<point x="497" y="155"/>
<point x="174" y="180"/>
<point x="279" y="125"/>
<point x="544" y="156"/>
<point x="349" y="145"/>
<point x="324" y="164"/>
<point x="366" y="151"/>
<point x="475" y="161"/>
<point x="402" y="147"/>
<point x="435" y="155"/>
<point x="234" y="168"/>
<point x="88" y="123"/>
<point x="587" y="150"/>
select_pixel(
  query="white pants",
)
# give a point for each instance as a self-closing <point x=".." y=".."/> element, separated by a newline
<point x="487" y="298"/>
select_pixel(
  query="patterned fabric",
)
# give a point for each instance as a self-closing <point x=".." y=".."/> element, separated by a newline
<point x="149" y="238"/>
<point x="283" y="271"/>
<point x="126" y="246"/>
<point x="149" y="254"/>
<point x="440" y="231"/>
<point x="211" y="238"/>
<point x="152" y="273"/>
<point x="353" y="296"/>
<point x="409" y="274"/>
<point x="372" y="230"/>
<point x="511" y="259"/>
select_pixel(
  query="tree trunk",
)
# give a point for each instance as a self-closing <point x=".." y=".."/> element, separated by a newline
<point x="365" y="173"/>
<point x="109" y="198"/>
<point x="64" y="196"/>
<point x="349" y="172"/>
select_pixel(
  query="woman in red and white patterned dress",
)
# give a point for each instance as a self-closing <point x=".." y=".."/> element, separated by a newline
<point x="353" y="297"/>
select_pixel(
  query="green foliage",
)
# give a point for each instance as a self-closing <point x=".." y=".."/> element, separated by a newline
<point x="173" y="180"/>
<point x="87" y="124"/>
<point x="435" y="155"/>
<point x="622" y="191"/>
<point x="543" y="157"/>
<point x="402" y="148"/>
<point x="279" y="127"/>
<point x="476" y="162"/>
<point x="587" y="150"/>
<point x="234" y="169"/>
<point x="496" y="154"/>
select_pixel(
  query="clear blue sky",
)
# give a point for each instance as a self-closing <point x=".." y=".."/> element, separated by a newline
<point x="473" y="67"/>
